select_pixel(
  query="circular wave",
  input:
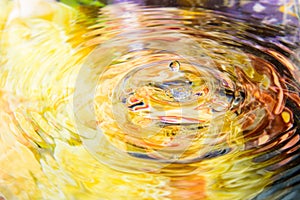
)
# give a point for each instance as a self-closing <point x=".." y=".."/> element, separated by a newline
<point x="172" y="103"/>
<point x="169" y="88"/>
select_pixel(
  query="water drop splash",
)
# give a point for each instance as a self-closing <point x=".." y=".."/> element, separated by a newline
<point x="180" y="92"/>
<point x="153" y="103"/>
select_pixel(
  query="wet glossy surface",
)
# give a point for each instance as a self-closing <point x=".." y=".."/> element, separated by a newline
<point x="138" y="102"/>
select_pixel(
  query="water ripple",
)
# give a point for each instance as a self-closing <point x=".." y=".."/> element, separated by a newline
<point x="156" y="103"/>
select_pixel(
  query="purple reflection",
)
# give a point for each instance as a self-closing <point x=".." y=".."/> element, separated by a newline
<point x="139" y="2"/>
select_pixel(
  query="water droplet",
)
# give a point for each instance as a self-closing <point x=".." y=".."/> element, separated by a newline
<point x="174" y="66"/>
